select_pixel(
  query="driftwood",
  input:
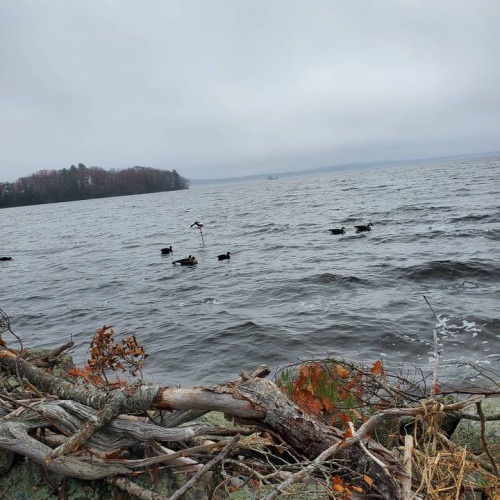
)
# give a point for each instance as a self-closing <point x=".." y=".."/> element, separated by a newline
<point x="83" y="432"/>
<point x="91" y="419"/>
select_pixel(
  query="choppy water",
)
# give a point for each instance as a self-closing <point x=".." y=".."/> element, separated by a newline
<point x="290" y="291"/>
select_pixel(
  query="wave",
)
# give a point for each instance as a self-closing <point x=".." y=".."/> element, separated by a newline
<point x="451" y="270"/>
<point x="492" y="234"/>
<point x="489" y="218"/>
<point x="259" y="229"/>
<point x="434" y="234"/>
<point x="491" y="327"/>
<point x="243" y="328"/>
<point x="326" y="278"/>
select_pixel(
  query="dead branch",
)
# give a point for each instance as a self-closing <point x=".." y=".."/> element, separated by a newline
<point x="407" y="464"/>
<point x="50" y="358"/>
<point x="134" y="489"/>
<point x="123" y="432"/>
<point x="429" y="406"/>
<point x="434" y="386"/>
<point x="14" y="437"/>
<point x="189" y="484"/>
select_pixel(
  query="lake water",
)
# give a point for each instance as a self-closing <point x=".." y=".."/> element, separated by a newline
<point x="290" y="291"/>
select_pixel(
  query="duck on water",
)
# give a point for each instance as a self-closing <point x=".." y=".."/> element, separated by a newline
<point x="188" y="261"/>
<point x="337" y="230"/>
<point x="224" y="256"/>
<point x="367" y="227"/>
<point x="166" y="250"/>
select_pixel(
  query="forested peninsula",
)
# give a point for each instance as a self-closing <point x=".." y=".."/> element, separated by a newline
<point x="82" y="183"/>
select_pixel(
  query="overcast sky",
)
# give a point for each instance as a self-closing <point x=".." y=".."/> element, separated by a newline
<point x="220" y="88"/>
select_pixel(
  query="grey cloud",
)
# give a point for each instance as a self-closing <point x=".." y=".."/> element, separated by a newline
<point x="222" y="88"/>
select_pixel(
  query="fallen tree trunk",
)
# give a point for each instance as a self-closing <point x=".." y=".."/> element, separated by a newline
<point x="250" y="400"/>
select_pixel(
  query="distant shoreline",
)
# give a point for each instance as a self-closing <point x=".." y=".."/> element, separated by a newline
<point x="339" y="168"/>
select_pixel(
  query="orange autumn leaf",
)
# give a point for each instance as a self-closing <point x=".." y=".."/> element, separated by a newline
<point x="304" y="371"/>
<point x="116" y="384"/>
<point x="311" y="388"/>
<point x="353" y="382"/>
<point x="377" y="368"/>
<point x="341" y="371"/>
<point x="348" y="433"/>
<point x="307" y="402"/>
<point x="95" y="380"/>
<point x="299" y="384"/>
<point x="344" y="417"/>
<point x="328" y="404"/>
<point x="316" y="373"/>
<point x="315" y="407"/>
<point x="76" y="372"/>
<point x="360" y="392"/>
<point x="368" y="480"/>
<point x="357" y="489"/>
<point x="344" y="394"/>
<point x="339" y="485"/>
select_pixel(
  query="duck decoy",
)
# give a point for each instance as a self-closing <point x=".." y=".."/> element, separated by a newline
<point x="197" y="224"/>
<point x="188" y="261"/>
<point x="166" y="250"/>
<point x="367" y="227"/>
<point x="224" y="256"/>
<point x="5" y="258"/>
<point x="337" y="230"/>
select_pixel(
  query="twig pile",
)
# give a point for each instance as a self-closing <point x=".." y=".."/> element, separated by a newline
<point x="156" y="442"/>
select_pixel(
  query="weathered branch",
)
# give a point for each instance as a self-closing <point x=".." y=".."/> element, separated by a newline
<point x="134" y="489"/>
<point x="14" y="437"/>
<point x="122" y="432"/>
<point x="434" y="386"/>
<point x="189" y="484"/>
<point x="407" y="464"/>
<point x="51" y="357"/>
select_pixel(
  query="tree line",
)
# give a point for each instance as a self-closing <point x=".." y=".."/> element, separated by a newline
<point x="81" y="183"/>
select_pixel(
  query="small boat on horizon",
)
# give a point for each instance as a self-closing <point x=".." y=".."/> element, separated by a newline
<point x="271" y="178"/>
